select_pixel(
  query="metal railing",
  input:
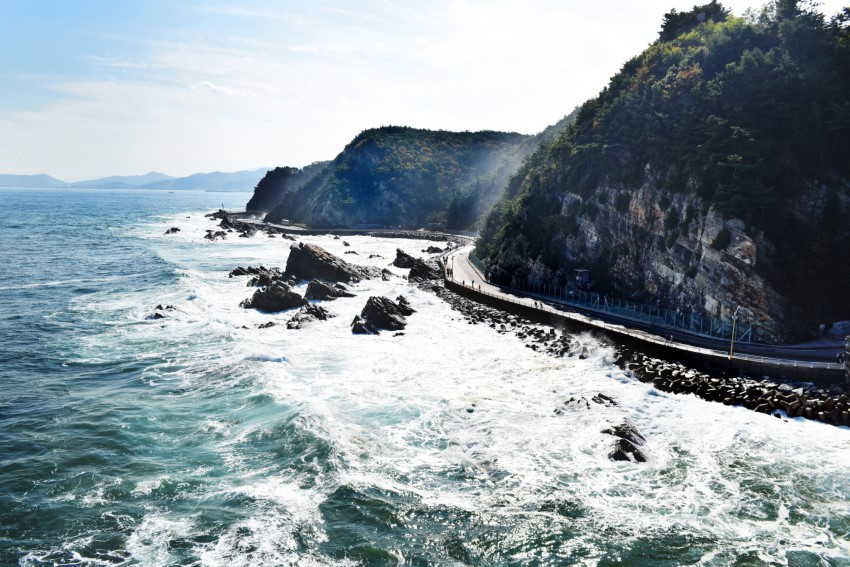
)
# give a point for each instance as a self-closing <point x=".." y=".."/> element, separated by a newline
<point x="641" y="335"/>
<point x="671" y="319"/>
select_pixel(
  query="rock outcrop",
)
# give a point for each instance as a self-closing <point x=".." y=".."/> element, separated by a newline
<point x="307" y="314"/>
<point x="308" y="261"/>
<point x="420" y="270"/>
<point x="321" y="291"/>
<point x="262" y="276"/>
<point x="276" y="297"/>
<point x="381" y="313"/>
<point x="172" y="230"/>
<point x="627" y="444"/>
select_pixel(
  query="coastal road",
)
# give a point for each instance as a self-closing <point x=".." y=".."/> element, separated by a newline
<point x="820" y="356"/>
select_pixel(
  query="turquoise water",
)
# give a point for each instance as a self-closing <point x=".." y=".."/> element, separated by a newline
<point x="202" y="440"/>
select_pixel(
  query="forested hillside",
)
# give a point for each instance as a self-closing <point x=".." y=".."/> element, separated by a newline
<point x="712" y="172"/>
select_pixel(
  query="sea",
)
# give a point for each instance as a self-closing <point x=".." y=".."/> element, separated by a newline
<point x="202" y="439"/>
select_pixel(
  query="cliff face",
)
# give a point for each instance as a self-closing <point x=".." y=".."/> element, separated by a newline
<point x="634" y="252"/>
<point x="711" y="173"/>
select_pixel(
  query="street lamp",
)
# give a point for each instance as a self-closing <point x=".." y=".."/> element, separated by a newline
<point x="732" y="339"/>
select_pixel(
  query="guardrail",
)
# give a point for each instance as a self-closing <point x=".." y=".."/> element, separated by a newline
<point x="643" y="335"/>
<point x="674" y="320"/>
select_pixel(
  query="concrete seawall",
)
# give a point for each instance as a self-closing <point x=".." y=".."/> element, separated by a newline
<point x="670" y="351"/>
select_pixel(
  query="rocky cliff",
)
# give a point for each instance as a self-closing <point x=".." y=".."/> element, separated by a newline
<point x="710" y="174"/>
<point x="396" y="176"/>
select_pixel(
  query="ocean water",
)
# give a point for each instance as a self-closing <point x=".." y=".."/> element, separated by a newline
<point x="200" y="439"/>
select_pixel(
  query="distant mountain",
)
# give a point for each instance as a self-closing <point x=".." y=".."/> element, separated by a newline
<point x="123" y="181"/>
<point x="36" y="181"/>
<point x="215" y="181"/>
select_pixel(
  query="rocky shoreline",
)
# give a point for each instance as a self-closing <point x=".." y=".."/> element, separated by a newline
<point x="828" y="404"/>
<point x="783" y="399"/>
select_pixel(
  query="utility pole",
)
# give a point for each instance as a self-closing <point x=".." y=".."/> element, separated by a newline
<point x="734" y="324"/>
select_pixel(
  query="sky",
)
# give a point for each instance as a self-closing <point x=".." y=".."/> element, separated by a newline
<point x="98" y="87"/>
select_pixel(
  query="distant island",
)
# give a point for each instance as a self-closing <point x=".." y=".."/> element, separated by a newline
<point x="214" y="181"/>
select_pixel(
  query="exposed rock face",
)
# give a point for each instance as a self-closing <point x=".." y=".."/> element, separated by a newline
<point x="381" y="313"/>
<point x="420" y="271"/>
<point x="161" y="310"/>
<point x="321" y="291"/>
<point x="277" y="297"/>
<point x="627" y="443"/>
<point x="263" y="277"/>
<point x="403" y="259"/>
<point x="308" y="261"/>
<point x="307" y="314"/>
<point x="639" y="256"/>
<point x="404" y="306"/>
<point x="215" y="235"/>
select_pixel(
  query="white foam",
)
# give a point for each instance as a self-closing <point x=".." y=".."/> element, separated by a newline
<point x="394" y="409"/>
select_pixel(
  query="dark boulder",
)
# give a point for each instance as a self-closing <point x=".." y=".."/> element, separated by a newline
<point x="626" y="447"/>
<point x="172" y="230"/>
<point x="160" y="311"/>
<point x="404" y="306"/>
<point x="263" y="277"/>
<point x="433" y="250"/>
<point x="308" y="261"/>
<point x="215" y="235"/>
<point x="422" y="272"/>
<point x="267" y="325"/>
<point x="403" y="259"/>
<point x="360" y="326"/>
<point x="382" y="313"/>
<point x="308" y="313"/>
<point x="386" y="275"/>
<point x="277" y="297"/>
<point x="324" y="292"/>
<point x="625" y="450"/>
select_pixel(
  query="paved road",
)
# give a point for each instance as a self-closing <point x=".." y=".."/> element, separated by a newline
<point x="821" y="355"/>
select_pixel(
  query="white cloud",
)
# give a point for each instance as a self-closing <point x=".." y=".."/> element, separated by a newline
<point x="295" y="93"/>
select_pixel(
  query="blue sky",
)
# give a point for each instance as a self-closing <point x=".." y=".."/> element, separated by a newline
<point x="96" y="88"/>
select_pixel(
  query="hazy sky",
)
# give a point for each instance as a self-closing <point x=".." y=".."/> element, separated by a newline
<point x="94" y="88"/>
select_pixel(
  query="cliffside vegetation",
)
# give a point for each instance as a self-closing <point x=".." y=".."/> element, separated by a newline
<point x="746" y="117"/>
<point x="398" y="176"/>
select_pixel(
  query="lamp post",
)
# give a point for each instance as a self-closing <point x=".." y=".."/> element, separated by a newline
<point x="732" y="339"/>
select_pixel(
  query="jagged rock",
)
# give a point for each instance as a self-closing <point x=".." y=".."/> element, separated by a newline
<point x="403" y="259"/>
<point x="172" y="230"/>
<point x="344" y="243"/>
<point x="159" y="311"/>
<point x="604" y="400"/>
<point x="625" y="450"/>
<point x="308" y="261"/>
<point x="626" y="447"/>
<point x="375" y="256"/>
<point x="215" y="235"/>
<point x="386" y="275"/>
<point x="351" y="252"/>
<point x="277" y="297"/>
<point x="433" y="250"/>
<point x="422" y="272"/>
<point x="360" y="326"/>
<point x="404" y="306"/>
<point x="382" y="313"/>
<point x="308" y="313"/>
<point x="321" y="291"/>
<point x="263" y="277"/>
<point x="267" y="325"/>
